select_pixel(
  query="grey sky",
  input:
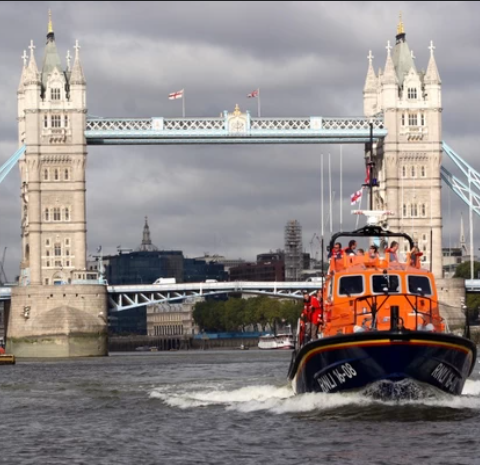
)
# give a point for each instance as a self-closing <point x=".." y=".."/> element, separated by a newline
<point x="308" y="58"/>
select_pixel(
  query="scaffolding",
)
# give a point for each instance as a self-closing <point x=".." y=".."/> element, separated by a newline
<point x="293" y="251"/>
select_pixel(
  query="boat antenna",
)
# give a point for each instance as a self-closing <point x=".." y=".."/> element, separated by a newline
<point x="370" y="165"/>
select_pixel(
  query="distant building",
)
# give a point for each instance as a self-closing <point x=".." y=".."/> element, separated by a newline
<point x="195" y="271"/>
<point x="170" y="319"/>
<point x="293" y="251"/>
<point x="144" y="265"/>
<point x="226" y="262"/>
<point x="261" y="271"/>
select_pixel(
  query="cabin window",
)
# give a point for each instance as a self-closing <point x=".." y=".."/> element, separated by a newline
<point x="350" y="285"/>
<point x="419" y="285"/>
<point x="385" y="282"/>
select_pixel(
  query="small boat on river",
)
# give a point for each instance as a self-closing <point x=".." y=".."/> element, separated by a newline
<point x="276" y="341"/>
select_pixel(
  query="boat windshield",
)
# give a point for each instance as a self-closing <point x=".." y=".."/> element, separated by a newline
<point x="419" y="285"/>
<point x="382" y="283"/>
<point x="351" y="285"/>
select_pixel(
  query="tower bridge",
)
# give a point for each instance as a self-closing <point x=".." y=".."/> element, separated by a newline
<point x="402" y="116"/>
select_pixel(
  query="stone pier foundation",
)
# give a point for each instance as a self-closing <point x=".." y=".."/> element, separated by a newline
<point x="58" y="321"/>
<point x="451" y="295"/>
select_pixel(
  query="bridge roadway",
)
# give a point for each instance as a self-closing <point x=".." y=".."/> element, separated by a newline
<point x="131" y="296"/>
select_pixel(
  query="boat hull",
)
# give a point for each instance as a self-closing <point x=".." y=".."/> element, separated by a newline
<point x="354" y="362"/>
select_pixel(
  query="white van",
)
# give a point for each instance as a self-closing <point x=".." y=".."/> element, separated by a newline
<point x="165" y="281"/>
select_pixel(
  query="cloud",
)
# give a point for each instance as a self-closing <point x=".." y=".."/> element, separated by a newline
<point x="308" y="58"/>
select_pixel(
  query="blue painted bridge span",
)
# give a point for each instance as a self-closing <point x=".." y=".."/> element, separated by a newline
<point x="232" y="128"/>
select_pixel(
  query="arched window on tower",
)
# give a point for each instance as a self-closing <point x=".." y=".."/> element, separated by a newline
<point x="67" y="214"/>
<point x="45" y="174"/>
<point x="47" y="215"/>
<point x="413" y="171"/>
<point x="404" y="210"/>
<point x="422" y="119"/>
<point x="66" y="121"/>
<point x="45" y="121"/>
<point x="403" y="119"/>
<point x="424" y="210"/>
<point x="423" y="172"/>
<point x="404" y="171"/>
<point x="67" y="174"/>
<point x="56" y="174"/>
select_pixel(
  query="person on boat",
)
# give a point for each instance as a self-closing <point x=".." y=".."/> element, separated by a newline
<point x="350" y="250"/>
<point x="317" y="314"/>
<point x="373" y="252"/>
<point x="310" y="303"/>
<point x="360" y="252"/>
<point x="415" y="254"/>
<point x="392" y="250"/>
<point x="2" y="350"/>
<point x="337" y="251"/>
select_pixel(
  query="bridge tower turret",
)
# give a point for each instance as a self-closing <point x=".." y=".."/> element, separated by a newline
<point x="408" y="160"/>
<point x="51" y="123"/>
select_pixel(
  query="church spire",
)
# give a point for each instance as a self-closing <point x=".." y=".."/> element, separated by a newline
<point x="146" y="245"/>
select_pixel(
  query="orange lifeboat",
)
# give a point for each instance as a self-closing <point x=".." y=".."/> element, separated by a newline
<point x="383" y="329"/>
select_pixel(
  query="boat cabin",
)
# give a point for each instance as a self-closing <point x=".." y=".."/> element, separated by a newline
<point x="361" y="291"/>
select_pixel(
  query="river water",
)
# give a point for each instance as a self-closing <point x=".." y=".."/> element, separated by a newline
<point x="217" y="407"/>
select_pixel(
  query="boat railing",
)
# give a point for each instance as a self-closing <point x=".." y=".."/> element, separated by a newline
<point x="376" y="313"/>
<point x="371" y="261"/>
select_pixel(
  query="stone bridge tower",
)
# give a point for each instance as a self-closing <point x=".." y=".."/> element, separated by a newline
<point x="49" y="305"/>
<point x="408" y="160"/>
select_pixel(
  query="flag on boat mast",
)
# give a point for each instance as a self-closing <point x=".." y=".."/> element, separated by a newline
<point x="256" y="94"/>
<point x="180" y="94"/>
<point x="356" y="197"/>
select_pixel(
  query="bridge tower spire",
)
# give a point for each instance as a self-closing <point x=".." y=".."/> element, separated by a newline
<point x="407" y="162"/>
<point x="51" y="123"/>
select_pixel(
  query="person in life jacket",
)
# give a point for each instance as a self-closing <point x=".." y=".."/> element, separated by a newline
<point x="350" y="250"/>
<point x="317" y="317"/>
<point x="392" y="250"/>
<point x="306" y="318"/>
<point x="337" y="251"/>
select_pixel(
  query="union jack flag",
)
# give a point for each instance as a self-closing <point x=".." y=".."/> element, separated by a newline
<point x="253" y="94"/>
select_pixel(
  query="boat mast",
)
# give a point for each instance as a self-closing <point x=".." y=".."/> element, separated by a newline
<point x="370" y="164"/>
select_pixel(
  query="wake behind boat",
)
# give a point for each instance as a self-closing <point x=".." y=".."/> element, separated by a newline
<point x="382" y="325"/>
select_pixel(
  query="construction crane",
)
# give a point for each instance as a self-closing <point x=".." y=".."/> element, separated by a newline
<point x="3" y="276"/>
